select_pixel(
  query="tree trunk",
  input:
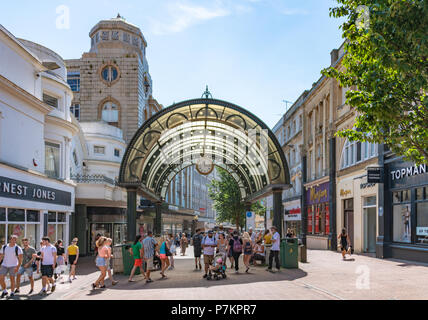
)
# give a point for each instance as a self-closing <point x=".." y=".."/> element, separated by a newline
<point x="237" y="220"/>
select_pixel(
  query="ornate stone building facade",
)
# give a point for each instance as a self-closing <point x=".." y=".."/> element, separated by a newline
<point x="112" y="82"/>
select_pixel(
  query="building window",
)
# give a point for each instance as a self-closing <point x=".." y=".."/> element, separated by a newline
<point x="356" y="151"/>
<point x="20" y="222"/>
<point x="110" y="113"/>
<point x="126" y="37"/>
<point x="57" y="224"/>
<point x="52" y="160"/>
<point x="402" y="216"/>
<point x="422" y="215"/>
<point x="97" y="37"/>
<point x="99" y="149"/>
<point x="135" y="41"/>
<point x="116" y="152"/>
<point x="73" y="80"/>
<point x="105" y="35"/>
<point x="75" y="110"/>
<point x="109" y="73"/>
<point x="115" y="35"/>
<point x="52" y="101"/>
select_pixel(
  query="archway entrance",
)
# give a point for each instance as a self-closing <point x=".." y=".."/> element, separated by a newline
<point x="205" y="132"/>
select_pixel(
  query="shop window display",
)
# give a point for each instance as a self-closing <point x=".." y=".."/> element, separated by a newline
<point x="402" y="223"/>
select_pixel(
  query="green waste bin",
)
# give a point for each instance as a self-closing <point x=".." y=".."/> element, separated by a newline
<point x="128" y="261"/>
<point x="289" y="253"/>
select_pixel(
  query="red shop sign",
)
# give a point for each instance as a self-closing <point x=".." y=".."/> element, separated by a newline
<point x="310" y="220"/>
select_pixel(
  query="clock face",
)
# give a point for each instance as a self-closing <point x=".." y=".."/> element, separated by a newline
<point x="204" y="165"/>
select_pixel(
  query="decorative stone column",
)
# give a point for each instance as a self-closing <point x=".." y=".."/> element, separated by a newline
<point x="158" y="220"/>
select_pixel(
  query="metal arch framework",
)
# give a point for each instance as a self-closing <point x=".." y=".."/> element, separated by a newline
<point x="177" y="136"/>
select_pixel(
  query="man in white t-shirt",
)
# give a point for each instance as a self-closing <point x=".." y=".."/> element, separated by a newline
<point x="209" y="243"/>
<point x="274" y="251"/>
<point x="11" y="257"/>
<point x="48" y="256"/>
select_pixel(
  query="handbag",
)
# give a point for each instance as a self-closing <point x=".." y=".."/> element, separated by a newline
<point x="34" y="266"/>
<point x="168" y="252"/>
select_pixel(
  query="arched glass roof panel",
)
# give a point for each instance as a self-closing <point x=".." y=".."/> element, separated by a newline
<point x="176" y="137"/>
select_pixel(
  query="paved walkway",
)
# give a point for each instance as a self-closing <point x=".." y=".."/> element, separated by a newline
<point x="325" y="277"/>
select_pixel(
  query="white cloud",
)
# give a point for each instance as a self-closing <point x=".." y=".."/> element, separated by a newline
<point x="183" y="16"/>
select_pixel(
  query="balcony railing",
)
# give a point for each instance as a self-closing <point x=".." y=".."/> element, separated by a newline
<point x="93" y="178"/>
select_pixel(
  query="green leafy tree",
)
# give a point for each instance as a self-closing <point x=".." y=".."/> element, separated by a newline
<point x="386" y="62"/>
<point x="228" y="204"/>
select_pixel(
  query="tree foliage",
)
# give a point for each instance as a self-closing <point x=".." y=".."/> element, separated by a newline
<point x="228" y="204"/>
<point x="386" y="63"/>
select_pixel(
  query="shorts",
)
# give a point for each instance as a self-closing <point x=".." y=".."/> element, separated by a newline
<point x="47" y="270"/>
<point x="138" y="262"/>
<point x="208" y="259"/>
<point x="71" y="259"/>
<point x="60" y="260"/>
<point x="149" y="262"/>
<point x="5" y="270"/>
<point x="29" y="271"/>
<point x="100" y="262"/>
<point x="197" y="253"/>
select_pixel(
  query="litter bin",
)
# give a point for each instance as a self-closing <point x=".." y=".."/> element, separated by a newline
<point x="128" y="260"/>
<point x="289" y="253"/>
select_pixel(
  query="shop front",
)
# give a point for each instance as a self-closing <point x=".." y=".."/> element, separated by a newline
<point x="32" y="206"/>
<point x="293" y="217"/>
<point x="357" y="210"/>
<point x="318" y="213"/>
<point x="406" y="211"/>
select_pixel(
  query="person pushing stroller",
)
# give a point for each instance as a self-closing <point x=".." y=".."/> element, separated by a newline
<point x="218" y="269"/>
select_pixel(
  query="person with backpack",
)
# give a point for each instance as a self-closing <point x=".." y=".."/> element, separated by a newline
<point x="28" y="265"/>
<point x="209" y="244"/>
<point x="235" y="246"/>
<point x="197" y="248"/>
<point x="11" y="256"/>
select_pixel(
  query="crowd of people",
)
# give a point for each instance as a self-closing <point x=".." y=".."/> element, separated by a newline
<point x="216" y="247"/>
<point x="49" y="261"/>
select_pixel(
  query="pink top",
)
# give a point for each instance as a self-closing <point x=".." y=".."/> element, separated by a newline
<point x="103" y="252"/>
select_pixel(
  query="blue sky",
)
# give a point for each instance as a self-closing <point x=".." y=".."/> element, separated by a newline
<point x="254" y="53"/>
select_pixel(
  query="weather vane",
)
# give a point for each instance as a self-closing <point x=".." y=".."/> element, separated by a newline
<point x="207" y="93"/>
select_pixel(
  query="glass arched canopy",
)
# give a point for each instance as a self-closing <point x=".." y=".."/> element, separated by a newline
<point x="227" y="135"/>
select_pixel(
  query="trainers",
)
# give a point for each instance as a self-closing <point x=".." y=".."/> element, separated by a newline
<point x="11" y="295"/>
<point x="16" y="290"/>
<point x="149" y="280"/>
<point x="31" y="291"/>
<point x="205" y="275"/>
<point x="236" y="271"/>
<point x="4" y="294"/>
<point x="114" y="282"/>
<point x="53" y="288"/>
<point x="43" y="292"/>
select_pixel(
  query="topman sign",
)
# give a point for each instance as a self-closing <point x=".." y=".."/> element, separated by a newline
<point x="408" y="172"/>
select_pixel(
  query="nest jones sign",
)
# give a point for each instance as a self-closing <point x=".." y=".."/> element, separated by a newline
<point x="10" y="188"/>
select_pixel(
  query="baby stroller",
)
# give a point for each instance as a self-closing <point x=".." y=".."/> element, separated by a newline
<point x="218" y="270"/>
